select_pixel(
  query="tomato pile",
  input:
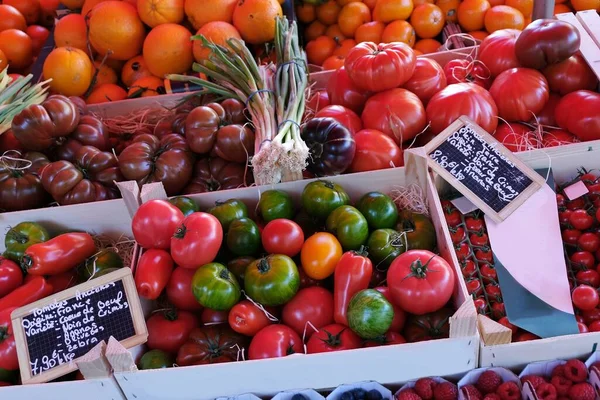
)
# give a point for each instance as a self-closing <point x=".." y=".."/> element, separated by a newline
<point x="229" y="283"/>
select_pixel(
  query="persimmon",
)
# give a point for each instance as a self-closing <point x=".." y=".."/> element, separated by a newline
<point x="168" y="50"/>
<point x="105" y="74"/>
<point x="334" y="32"/>
<point x="427" y="46"/>
<point x="17" y="47"/>
<point x="156" y="12"/>
<point x="352" y="16"/>
<point x="255" y="19"/>
<point x="344" y="47"/>
<point x="370" y="32"/>
<point x="449" y="8"/>
<point x="11" y="18"/>
<point x="30" y="9"/>
<point x="525" y="6"/>
<point x="318" y="50"/>
<point x="71" y="31"/>
<point x="105" y="93"/>
<point x="314" y="30"/>
<point x="471" y="14"/>
<point x="582" y="5"/>
<point x="70" y="69"/>
<point x="38" y="35"/>
<point x="200" y="12"/>
<point x="399" y="31"/>
<point x="428" y="20"/>
<point x="217" y="32"/>
<point x="133" y="70"/>
<point x="333" y="63"/>
<point x="392" y="10"/>
<point x="328" y="12"/>
<point x="306" y="13"/>
<point x="147" y="86"/>
<point x="504" y="17"/>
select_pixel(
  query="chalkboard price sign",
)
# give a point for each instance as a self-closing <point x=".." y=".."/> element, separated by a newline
<point x="53" y="333"/>
<point x="482" y="169"/>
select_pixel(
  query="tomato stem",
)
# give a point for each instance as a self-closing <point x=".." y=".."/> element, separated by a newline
<point x="362" y="251"/>
<point x="171" y="314"/>
<point x="180" y="232"/>
<point x="26" y="262"/>
<point x="263" y="265"/>
<point x="3" y="333"/>
<point x="333" y="340"/>
<point x="420" y="270"/>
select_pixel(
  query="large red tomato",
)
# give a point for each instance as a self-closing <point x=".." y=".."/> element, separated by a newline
<point x="546" y="116"/>
<point x="570" y="75"/>
<point x="467" y="71"/>
<point x="396" y="112"/>
<point x="275" y="341"/>
<point x="497" y="51"/>
<point x="179" y="290"/>
<point x="520" y="93"/>
<point x="431" y="326"/>
<point x="378" y="67"/>
<point x="375" y="150"/>
<point x="318" y="100"/>
<point x="343" y="92"/>
<point x="517" y="137"/>
<point x="428" y="79"/>
<point x="197" y="240"/>
<point x="246" y="318"/>
<point x="462" y="99"/>
<point x="578" y="113"/>
<point x="557" y="137"/>
<point x="154" y="223"/>
<point x="343" y="115"/>
<point x="168" y="330"/>
<point x="420" y="281"/>
<point x="310" y="309"/>
<point x="334" y="337"/>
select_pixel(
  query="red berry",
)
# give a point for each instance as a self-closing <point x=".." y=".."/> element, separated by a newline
<point x="576" y="371"/>
<point x="492" y="396"/>
<point x="408" y="395"/>
<point x="561" y="384"/>
<point x="582" y="391"/>
<point x="546" y="392"/>
<point x="424" y="388"/>
<point x="559" y="370"/>
<point x="488" y="382"/>
<point x="445" y="391"/>
<point x="471" y="392"/>
<point x="534" y="380"/>
<point x="509" y="391"/>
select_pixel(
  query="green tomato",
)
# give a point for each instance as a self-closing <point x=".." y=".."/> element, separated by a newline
<point x="228" y="211"/>
<point x="320" y="198"/>
<point x="20" y="237"/>
<point x="379" y="210"/>
<point x="215" y="287"/>
<point x="185" y="204"/>
<point x="272" y="280"/>
<point x="349" y="226"/>
<point x="384" y="246"/>
<point x="104" y="262"/>
<point x="238" y="266"/>
<point x="243" y="237"/>
<point x="370" y="315"/>
<point x="310" y="225"/>
<point x="275" y="204"/>
<point x="419" y="230"/>
<point x="156" y="359"/>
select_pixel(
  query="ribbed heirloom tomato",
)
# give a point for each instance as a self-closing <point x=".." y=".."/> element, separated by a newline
<point x="578" y="113"/>
<point x="427" y="79"/>
<point x="570" y="75"/>
<point x="343" y="92"/>
<point x="375" y="150"/>
<point x="497" y="51"/>
<point x="520" y="93"/>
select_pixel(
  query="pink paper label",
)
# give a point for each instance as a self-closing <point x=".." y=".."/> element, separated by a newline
<point x="576" y="190"/>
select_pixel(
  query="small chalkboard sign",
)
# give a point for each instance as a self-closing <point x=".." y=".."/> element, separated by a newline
<point x="52" y="333"/>
<point x="482" y="169"/>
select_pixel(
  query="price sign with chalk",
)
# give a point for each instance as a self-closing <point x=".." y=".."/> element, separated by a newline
<point x="482" y="169"/>
<point x="52" y="333"/>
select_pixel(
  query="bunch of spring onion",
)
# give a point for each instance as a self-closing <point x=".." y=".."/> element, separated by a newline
<point x="17" y="95"/>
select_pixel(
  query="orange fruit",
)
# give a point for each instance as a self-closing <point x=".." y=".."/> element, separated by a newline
<point x="89" y="5"/>
<point x="218" y="33"/>
<point x="449" y="8"/>
<point x="419" y="2"/>
<point x="328" y="12"/>
<point x="306" y="13"/>
<point x="494" y="3"/>
<point x="342" y="3"/>
<point x="471" y="14"/>
<point x="561" y="9"/>
<point x="116" y="65"/>
<point x="314" y="30"/>
<point x="525" y="6"/>
<point x="479" y="35"/>
<point x="30" y="9"/>
<point x="146" y="87"/>
<point x="201" y="12"/>
<point x="156" y="12"/>
<point x="504" y="17"/>
<point x="48" y="11"/>
<point x="418" y="52"/>
<point x="370" y="32"/>
<point x="333" y="63"/>
<point x="116" y="29"/>
<point x="105" y="74"/>
<point x="334" y="32"/>
<point x="133" y="70"/>
<point x="581" y="5"/>
<point x="318" y="50"/>
<point x="399" y="31"/>
<point x="428" y="20"/>
<point x="391" y="10"/>
<point x="426" y="46"/>
<point x="3" y="61"/>
<point x="168" y="50"/>
<point x="371" y="4"/>
<point x="71" y="31"/>
<point x="352" y="16"/>
<point x="70" y="69"/>
<point x="38" y="35"/>
<point x="255" y="19"/>
<point x="11" y="18"/>
<point x="17" y="47"/>
<point x="344" y="47"/>
<point x="105" y="93"/>
<point x="72" y="4"/>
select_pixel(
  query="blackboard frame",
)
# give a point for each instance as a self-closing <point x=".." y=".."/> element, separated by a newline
<point x="139" y="323"/>
<point x="536" y="180"/>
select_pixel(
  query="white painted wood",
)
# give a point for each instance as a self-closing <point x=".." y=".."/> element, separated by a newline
<point x="93" y="389"/>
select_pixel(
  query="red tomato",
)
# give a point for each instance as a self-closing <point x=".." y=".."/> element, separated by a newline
<point x="197" y="240"/>
<point x="343" y="115"/>
<point x="590" y="316"/>
<point x="169" y="330"/>
<point x="519" y="93"/>
<point x="585" y="297"/>
<point x="517" y="137"/>
<point x="428" y="79"/>
<point x="468" y="268"/>
<point x="590" y="277"/>
<point x="589" y="242"/>
<point x="452" y="215"/>
<point x="504" y="321"/>
<point x="309" y="309"/>
<point x="474" y="224"/>
<point x="583" y="260"/>
<point x="488" y="273"/>
<point x="11" y="276"/>
<point x="155" y="223"/>
<point x="375" y="150"/>
<point x="480" y="305"/>
<point x="399" y="314"/>
<point x="343" y="92"/>
<point x="8" y="347"/>
<point x="546" y="116"/>
<point x="318" y="100"/>
<point x="557" y="137"/>
<point x="570" y="75"/>
<point x="283" y="236"/>
<point x="462" y="251"/>
<point x="594" y="326"/>
<point x="582" y="327"/>
<point x="435" y="325"/>
<point x="497" y="51"/>
<point x="498" y="310"/>
<point x="525" y="337"/>
<point x="571" y="236"/>
<point x="152" y="273"/>
<point x="576" y="204"/>
<point x="484" y="254"/>
<point x="389" y="338"/>
<point x="457" y="234"/>
<point x="247" y="319"/>
<point x="179" y="290"/>
<point x="378" y="67"/>
<point x="581" y="220"/>
<point x="479" y="239"/>
<point x="474" y="287"/>
<point x="420" y="281"/>
<point x="38" y="35"/>
<point x="454" y="101"/>
<point x="396" y="112"/>
<point x="275" y="341"/>
<point x="213" y="317"/>
<point x="578" y="113"/>
<point x="334" y="337"/>
<point x="8" y="141"/>
<point x="560" y="200"/>
<point x="63" y="281"/>
<point x="466" y="71"/>
<point x="493" y="292"/>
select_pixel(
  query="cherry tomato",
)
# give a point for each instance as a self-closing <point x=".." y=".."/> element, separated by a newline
<point x="462" y="251"/>
<point x="275" y="341"/>
<point x="590" y="316"/>
<point x="488" y="273"/>
<point x="589" y="241"/>
<point x="474" y="224"/>
<point x="589" y="277"/>
<point x="246" y="318"/>
<point x="334" y="337"/>
<point x="525" y="337"/>
<point x="581" y="220"/>
<point x="594" y="326"/>
<point x="585" y="297"/>
<point x="504" y="321"/>
<point x="282" y="236"/>
<point x="457" y="234"/>
<point x="309" y="309"/>
<point x="582" y="327"/>
<point x="474" y="287"/>
<point x="320" y="254"/>
<point x="197" y="240"/>
<point x="571" y="236"/>
<point x="493" y="292"/>
<point x="468" y="268"/>
<point x="152" y="273"/>
<point x="479" y="239"/>
<point x="399" y="314"/>
<point x="579" y="318"/>
<point x="564" y="216"/>
<point x="169" y="330"/>
<point x="179" y="290"/>
<point x="576" y="204"/>
<point x="214" y="317"/>
<point x="561" y="201"/>
<point x="484" y="254"/>
<point x="11" y="276"/>
<point x="451" y="214"/>
<point x="155" y="223"/>
<point x="583" y="260"/>
<point x="598" y="214"/>
<point x="480" y="305"/>
<point x="498" y="310"/>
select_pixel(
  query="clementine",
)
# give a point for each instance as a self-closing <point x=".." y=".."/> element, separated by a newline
<point x="306" y="13"/>
<point x="38" y="35"/>
<point x="328" y="12"/>
<point x="426" y="46"/>
<point x="105" y="74"/>
<point x="146" y="87"/>
<point x="70" y="69"/>
<point x="504" y="17"/>
<point x="116" y="65"/>
<point x="343" y="48"/>
<point x="168" y="50"/>
<point x="561" y="9"/>
<point x="342" y="3"/>
<point x="370" y="3"/>
<point x="71" y="31"/>
<point x="11" y="18"/>
<point x="525" y="6"/>
<point x="133" y="70"/>
<point x="582" y="5"/>
<point x="89" y="5"/>
<point x="30" y="9"/>
<point x="218" y="33"/>
<point x="318" y="50"/>
<point x="17" y="47"/>
<point x="471" y="14"/>
<point x="392" y="10"/>
<point x="255" y="19"/>
<point x="156" y="12"/>
<point x="399" y="31"/>
<point x="352" y="16"/>
<point x="428" y="20"/>
<point x="494" y="3"/>
<point x="370" y="32"/>
<point x="73" y="4"/>
<point x="479" y="35"/>
<point x="105" y="93"/>
<point x="334" y="32"/>
<point x="3" y="61"/>
<point x="449" y="8"/>
<point x="200" y="12"/>
<point x="314" y="30"/>
<point x="116" y="30"/>
<point x="333" y="63"/>
<point x="419" y="2"/>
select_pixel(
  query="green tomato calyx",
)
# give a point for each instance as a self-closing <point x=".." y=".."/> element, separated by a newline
<point x="419" y="270"/>
<point x="263" y="265"/>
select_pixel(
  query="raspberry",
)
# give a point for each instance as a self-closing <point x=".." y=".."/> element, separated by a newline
<point x="492" y="396"/>
<point x="576" y="371"/>
<point x="509" y="391"/>
<point x="546" y="391"/>
<point x="534" y="380"/>
<point x="445" y="391"/>
<point x="562" y="398"/>
<point x="561" y="384"/>
<point x="559" y="370"/>
<point x="424" y="388"/>
<point x="472" y="392"/>
<point x="408" y="395"/>
<point x="488" y="382"/>
<point x="582" y="391"/>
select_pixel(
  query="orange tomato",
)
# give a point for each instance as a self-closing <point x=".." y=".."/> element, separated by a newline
<point x="399" y="31"/>
<point x="11" y="18"/>
<point x="419" y="2"/>
<point x="314" y="30"/>
<point x="352" y="16"/>
<point x="428" y="20"/>
<point x="318" y="50"/>
<point x="561" y="9"/>
<point x="333" y="62"/>
<point x="471" y="14"/>
<point x="344" y="47"/>
<point x="525" y="6"/>
<point x="426" y="46"/>
<point x="334" y="32"/>
<point x="328" y="12"/>
<point x="581" y="5"/>
<point x="17" y="47"/>
<point x="494" y="3"/>
<point x="392" y="10"/>
<point x="504" y="17"/>
<point x="479" y="35"/>
<point x="320" y="254"/>
<point x="370" y="32"/>
<point x="449" y="8"/>
<point x="306" y="13"/>
<point x="30" y="9"/>
<point x="105" y="93"/>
